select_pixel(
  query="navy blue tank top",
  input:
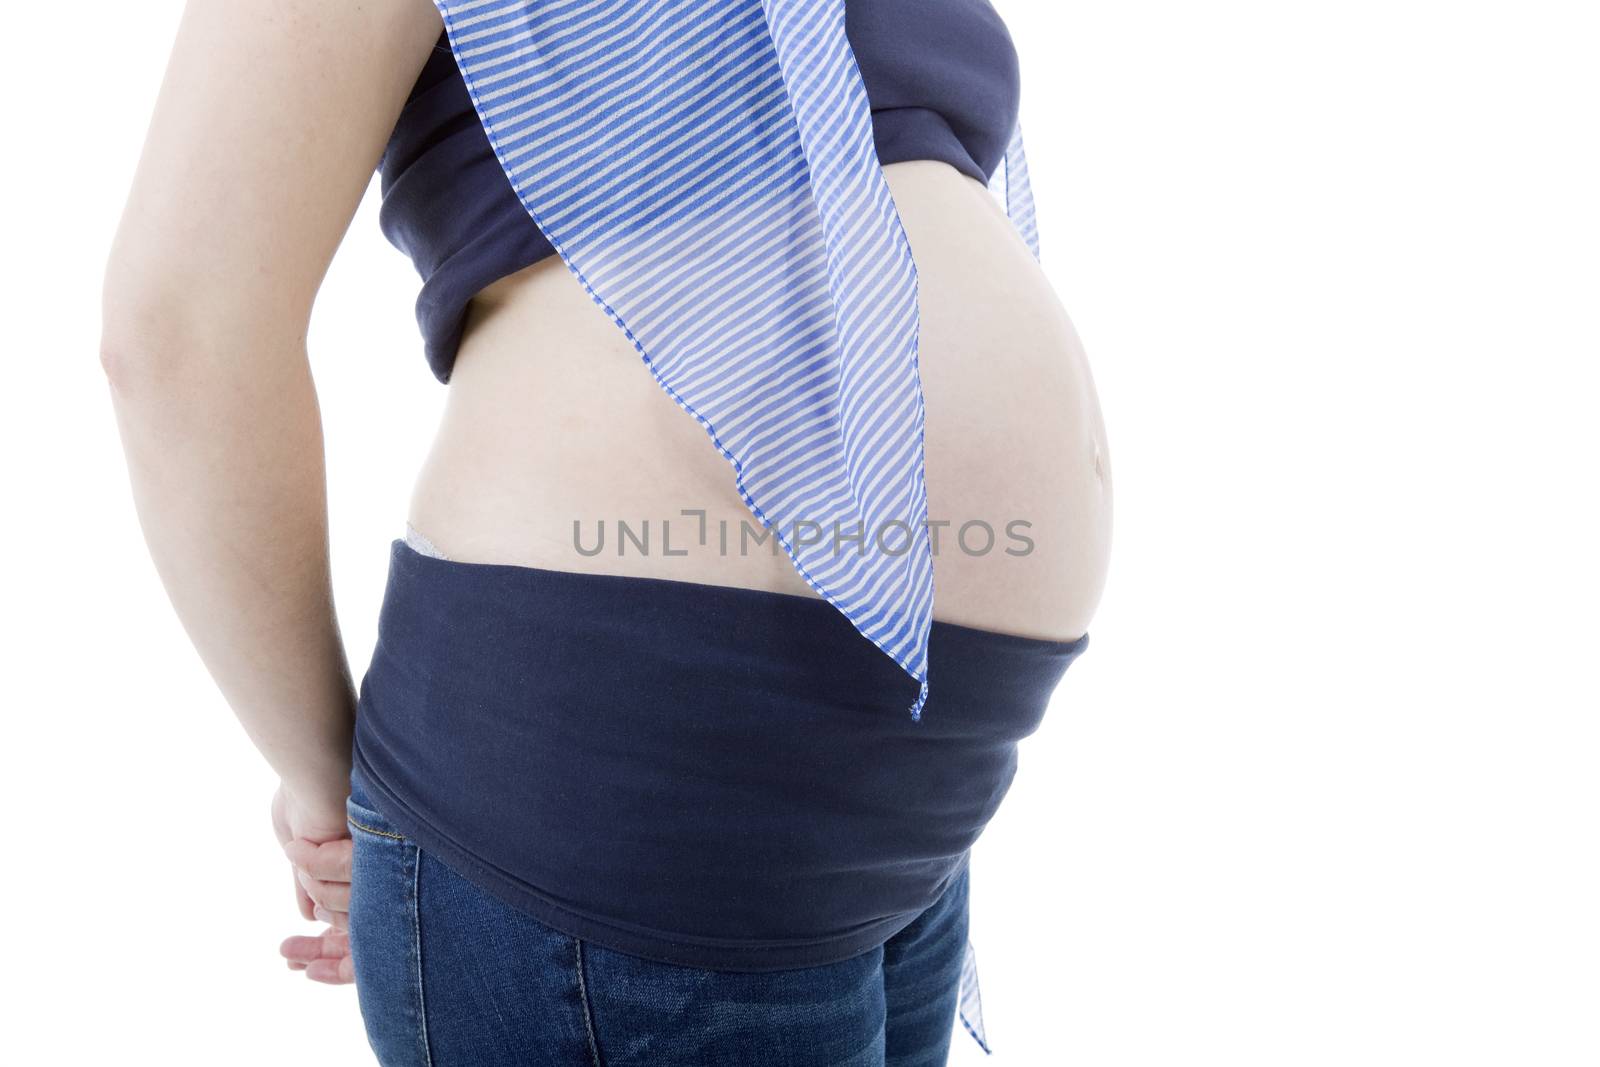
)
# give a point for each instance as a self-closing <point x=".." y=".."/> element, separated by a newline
<point x="941" y="76"/>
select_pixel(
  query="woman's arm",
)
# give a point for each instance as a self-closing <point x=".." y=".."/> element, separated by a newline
<point x="270" y="122"/>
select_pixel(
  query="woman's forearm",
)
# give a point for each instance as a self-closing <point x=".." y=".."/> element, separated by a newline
<point x="224" y="448"/>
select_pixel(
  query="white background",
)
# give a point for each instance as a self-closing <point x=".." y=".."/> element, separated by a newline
<point x="1324" y="789"/>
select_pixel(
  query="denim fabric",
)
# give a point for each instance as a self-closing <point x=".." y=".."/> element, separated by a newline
<point x="451" y="976"/>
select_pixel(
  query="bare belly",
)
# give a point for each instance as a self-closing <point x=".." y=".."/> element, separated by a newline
<point x="559" y="450"/>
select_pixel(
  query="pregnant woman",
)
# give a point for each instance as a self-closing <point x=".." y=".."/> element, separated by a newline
<point x="769" y="505"/>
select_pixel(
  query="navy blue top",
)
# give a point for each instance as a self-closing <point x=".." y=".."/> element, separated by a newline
<point x="941" y="76"/>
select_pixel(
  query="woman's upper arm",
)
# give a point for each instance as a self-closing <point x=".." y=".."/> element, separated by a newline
<point x="270" y="122"/>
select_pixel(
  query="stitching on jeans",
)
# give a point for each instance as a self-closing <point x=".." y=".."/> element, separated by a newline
<point x="583" y="998"/>
<point x="372" y="829"/>
<point x="416" y="954"/>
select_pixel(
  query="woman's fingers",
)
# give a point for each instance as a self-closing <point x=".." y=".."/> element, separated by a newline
<point x="328" y="862"/>
<point x="322" y="872"/>
<point x="330" y="944"/>
<point x="324" y="958"/>
<point x="332" y="972"/>
<point x="302" y="900"/>
<point x="332" y="896"/>
<point x="322" y="888"/>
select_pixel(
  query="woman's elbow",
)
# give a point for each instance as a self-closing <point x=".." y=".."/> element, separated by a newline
<point x="145" y="332"/>
<point x="160" y="333"/>
<point x="125" y="360"/>
<point x="131" y="358"/>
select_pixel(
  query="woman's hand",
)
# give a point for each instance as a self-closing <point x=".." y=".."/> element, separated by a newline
<point x="318" y="848"/>
<point x="325" y="958"/>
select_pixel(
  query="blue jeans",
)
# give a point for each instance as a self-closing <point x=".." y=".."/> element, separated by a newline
<point x="450" y="976"/>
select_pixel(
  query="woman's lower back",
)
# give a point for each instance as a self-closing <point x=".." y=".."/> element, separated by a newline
<point x="559" y="450"/>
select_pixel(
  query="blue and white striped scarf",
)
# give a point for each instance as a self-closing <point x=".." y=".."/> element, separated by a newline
<point x="706" y="169"/>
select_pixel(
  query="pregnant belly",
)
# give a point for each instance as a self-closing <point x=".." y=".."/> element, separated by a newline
<point x="559" y="450"/>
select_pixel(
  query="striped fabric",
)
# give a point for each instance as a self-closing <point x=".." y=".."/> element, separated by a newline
<point x="969" y="1004"/>
<point x="1010" y="183"/>
<point x="706" y="169"/>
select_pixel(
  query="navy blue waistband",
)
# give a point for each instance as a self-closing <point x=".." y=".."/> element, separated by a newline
<point x="703" y="775"/>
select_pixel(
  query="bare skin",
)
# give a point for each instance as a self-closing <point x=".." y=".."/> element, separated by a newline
<point x="269" y="125"/>
<point x="552" y="419"/>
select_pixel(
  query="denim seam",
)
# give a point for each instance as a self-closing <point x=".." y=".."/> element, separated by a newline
<point x="373" y="829"/>
<point x="583" y="999"/>
<point x="416" y="954"/>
